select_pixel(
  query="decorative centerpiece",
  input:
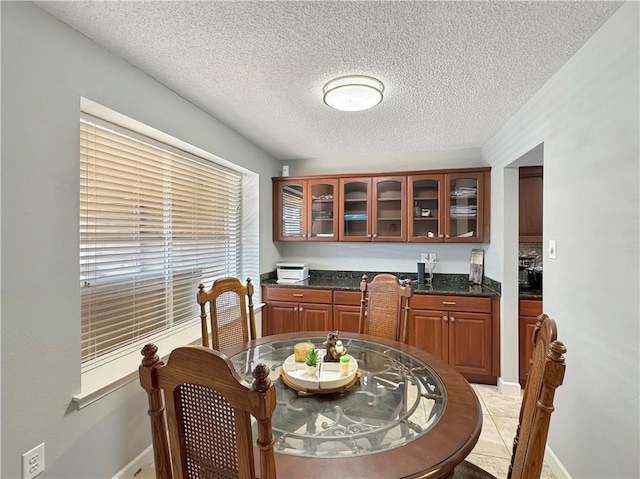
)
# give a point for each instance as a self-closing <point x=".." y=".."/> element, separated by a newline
<point x="335" y="349"/>
<point x="307" y="371"/>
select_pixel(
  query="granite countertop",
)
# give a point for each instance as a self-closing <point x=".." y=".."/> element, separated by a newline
<point x="530" y="293"/>
<point x="456" y="284"/>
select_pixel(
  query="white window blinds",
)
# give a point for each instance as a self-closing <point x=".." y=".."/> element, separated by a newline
<point x="154" y="223"/>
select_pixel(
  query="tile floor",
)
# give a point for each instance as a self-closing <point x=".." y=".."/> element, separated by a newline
<point x="493" y="450"/>
<point x="499" y="423"/>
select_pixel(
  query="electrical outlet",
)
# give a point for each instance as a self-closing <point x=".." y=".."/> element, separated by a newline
<point x="432" y="257"/>
<point x="424" y="257"/>
<point x="33" y="462"/>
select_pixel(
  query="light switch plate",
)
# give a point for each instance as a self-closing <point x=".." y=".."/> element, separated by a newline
<point x="552" y="250"/>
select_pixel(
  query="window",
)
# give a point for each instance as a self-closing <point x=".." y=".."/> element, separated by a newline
<point x="155" y="222"/>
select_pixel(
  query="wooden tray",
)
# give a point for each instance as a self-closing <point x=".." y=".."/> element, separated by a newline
<point x="295" y="386"/>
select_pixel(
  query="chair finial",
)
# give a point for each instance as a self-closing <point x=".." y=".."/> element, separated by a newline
<point x="149" y="352"/>
<point x="262" y="381"/>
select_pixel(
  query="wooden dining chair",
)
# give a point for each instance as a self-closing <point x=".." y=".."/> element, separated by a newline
<point x="201" y="412"/>
<point x="546" y="374"/>
<point x="384" y="307"/>
<point x="231" y="310"/>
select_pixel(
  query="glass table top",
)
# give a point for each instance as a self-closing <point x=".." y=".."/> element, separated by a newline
<point x="397" y="399"/>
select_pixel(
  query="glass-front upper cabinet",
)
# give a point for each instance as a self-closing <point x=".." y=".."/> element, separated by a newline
<point x="426" y="214"/>
<point x="323" y="210"/>
<point x="464" y="205"/>
<point x="305" y="210"/>
<point x="355" y="209"/>
<point x="389" y="209"/>
<point x="447" y="208"/>
<point x="291" y="218"/>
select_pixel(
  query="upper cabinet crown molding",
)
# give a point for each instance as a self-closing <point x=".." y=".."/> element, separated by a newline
<point x="435" y="206"/>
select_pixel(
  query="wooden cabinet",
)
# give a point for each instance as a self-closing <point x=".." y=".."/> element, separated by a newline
<point x="346" y="311"/>
<point x="529" y="310"/>
<point x="305" y="210"/>
<point x="296" y="309"/>
<point x="373" y="209"/>
<point x="462" y="330"/>
<point x="457" y="329"/>
<point x="451" y="207"/>
<point x="355" y="209"/>
<point x="530" y="204"/>
<point x="428" y="206"/>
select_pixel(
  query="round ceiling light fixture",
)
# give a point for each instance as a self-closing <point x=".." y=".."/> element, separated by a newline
<point x="353" y="93"/>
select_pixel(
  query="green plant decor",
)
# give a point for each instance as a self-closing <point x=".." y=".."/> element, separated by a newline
<point x="311" y="358"/>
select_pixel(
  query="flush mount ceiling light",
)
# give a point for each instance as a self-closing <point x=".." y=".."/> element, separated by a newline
<point x="353" y="93"/>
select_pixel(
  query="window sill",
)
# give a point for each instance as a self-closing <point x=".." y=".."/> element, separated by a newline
<point x="99" y="381"/>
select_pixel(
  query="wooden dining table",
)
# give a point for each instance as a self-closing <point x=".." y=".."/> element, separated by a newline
<point x="409" y="415"/>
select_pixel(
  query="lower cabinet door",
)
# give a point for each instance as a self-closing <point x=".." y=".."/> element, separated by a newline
<point x="429" y="331"/>
<point x="346" y="318"/>
<point x="315" y="317"/>
<point x="470" y="342"/>
<point x="527" y="327"/>
<point x="281" y="318"/>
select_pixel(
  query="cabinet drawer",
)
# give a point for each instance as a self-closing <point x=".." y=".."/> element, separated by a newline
<point x="347" y="297"/>
<point x="299" y="295"/>
<point x="530" y="307"/>
<point x="451" y="303"/>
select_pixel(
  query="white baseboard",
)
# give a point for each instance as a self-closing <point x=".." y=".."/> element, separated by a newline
<point x="555" y="465"/>
<point x="143" y="459"/>
<point x="509" y="388"/>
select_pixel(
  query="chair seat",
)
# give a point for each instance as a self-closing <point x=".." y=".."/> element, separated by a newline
<point x="467" y="470"/>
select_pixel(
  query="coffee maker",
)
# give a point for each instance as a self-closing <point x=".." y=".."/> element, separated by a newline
<point x="525" y="264"/>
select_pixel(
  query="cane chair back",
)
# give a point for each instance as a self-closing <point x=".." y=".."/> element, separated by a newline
<point x="384" y="307"/>
<point x="231" y="311"/>
<point x="545" y="376"/>
<point x="205" y="431"/>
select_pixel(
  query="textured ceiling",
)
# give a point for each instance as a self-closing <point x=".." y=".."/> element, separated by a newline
<point x="454" y="72"/>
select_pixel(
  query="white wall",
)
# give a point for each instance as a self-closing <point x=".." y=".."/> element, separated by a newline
<point x="392" y="257"/>
<point x="389" y="161"/>
<point x="46" y="68"/>
<point x="587" y="116"/>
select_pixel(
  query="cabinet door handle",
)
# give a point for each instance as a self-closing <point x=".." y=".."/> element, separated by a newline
<point x="301" y="308"/>
<point x="452" y="319"/>
<point x="449" y="303"/>
<point x="300" y="295"/>
<point x="445" y="318"/>
<point x="375" y="235"/>
<point x="369" y="236"/>
<point x="440" y="236"/>
<point x="295" y="308"/>
<point x="447" y="236"/>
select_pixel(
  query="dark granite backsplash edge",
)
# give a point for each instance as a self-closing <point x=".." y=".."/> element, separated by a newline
<point x="356" y="275"/>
